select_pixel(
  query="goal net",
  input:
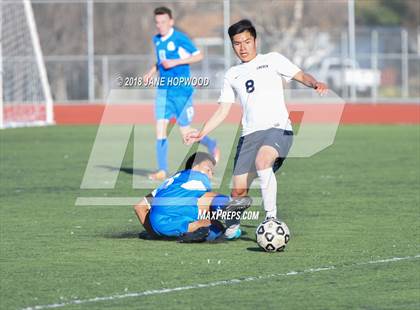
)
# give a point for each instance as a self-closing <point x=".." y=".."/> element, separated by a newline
<point x="25" y="96"/>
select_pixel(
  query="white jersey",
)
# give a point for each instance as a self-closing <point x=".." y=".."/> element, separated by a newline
<point x="259" y="85"/>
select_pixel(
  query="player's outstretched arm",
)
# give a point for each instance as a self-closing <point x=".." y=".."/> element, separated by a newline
<point x="309" y="81"/>
<point x="170" y="63"/>
<point x="192" y="59"/>
<point x="215" y="120"/>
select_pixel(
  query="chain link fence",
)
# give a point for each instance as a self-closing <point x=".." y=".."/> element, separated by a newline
<point x="386" y="68"/>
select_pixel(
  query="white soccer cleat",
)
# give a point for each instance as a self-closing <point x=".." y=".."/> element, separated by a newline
<point x="233" y="232"/>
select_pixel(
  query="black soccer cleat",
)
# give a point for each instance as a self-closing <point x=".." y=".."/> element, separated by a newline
<point x="198" y="235"/>
<point x="239" y="204"/>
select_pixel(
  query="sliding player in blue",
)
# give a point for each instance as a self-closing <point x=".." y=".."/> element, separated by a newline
<point x="174" y="52"/>
<point x="174" y="208"/>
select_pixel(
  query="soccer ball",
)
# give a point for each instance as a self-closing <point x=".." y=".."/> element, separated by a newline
<point x="272" y="235"/>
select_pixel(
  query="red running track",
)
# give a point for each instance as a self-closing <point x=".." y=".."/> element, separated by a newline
<point x="76" y="114"/>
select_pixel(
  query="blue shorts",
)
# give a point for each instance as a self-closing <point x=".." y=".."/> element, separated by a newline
<point x="172" y="221"/>
<point x="175" y="103"/>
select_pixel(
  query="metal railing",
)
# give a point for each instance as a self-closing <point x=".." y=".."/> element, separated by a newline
<point x="69" y="27"/>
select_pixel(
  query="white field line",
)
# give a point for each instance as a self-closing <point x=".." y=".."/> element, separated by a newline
<point x="127" y="201"/>
<point x="212" y="284"/>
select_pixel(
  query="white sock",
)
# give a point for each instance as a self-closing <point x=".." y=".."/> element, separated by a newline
<point x="268" y="184"/>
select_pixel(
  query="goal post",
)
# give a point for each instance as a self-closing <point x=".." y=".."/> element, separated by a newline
<point x="25" y="95"/>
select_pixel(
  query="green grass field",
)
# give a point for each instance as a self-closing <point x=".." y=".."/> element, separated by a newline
<point x="351" y="209"/>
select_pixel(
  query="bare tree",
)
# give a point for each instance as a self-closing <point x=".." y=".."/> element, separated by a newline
<point x="298" y="29"/>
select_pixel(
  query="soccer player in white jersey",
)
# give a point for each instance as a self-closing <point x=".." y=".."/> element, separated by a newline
<point x="266" y="129"/>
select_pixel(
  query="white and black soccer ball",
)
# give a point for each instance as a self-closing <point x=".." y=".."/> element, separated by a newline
<point x="273" y="235"/>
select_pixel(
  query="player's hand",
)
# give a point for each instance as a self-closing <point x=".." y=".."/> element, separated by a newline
<point x="185" y="134"/>
<point x="321" y="88"/>
<point x="192" y="137"/>
<point x="169" y="63"/>
<point x="147" y="77"/>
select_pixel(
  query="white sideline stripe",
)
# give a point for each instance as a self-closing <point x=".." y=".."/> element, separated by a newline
<point x="124" y="201"/>
<point x="211" y="284"/>
<point x="107" y="201"/>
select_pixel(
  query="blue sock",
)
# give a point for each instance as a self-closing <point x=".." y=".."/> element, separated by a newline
<point x="216" y="230"/>
<point x="209" y="143"/>
<point x="219" y="202"/>
<point x="162" y="154"/>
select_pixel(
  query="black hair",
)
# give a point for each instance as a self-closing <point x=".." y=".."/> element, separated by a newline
<point x="242" y="26"/>
<point x="162" y="10"/>
<point x="197" y="158"/>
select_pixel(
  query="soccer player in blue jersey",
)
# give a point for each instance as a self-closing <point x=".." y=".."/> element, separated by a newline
<point x="175" y="52"/>
<point x="173" y="209"/>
